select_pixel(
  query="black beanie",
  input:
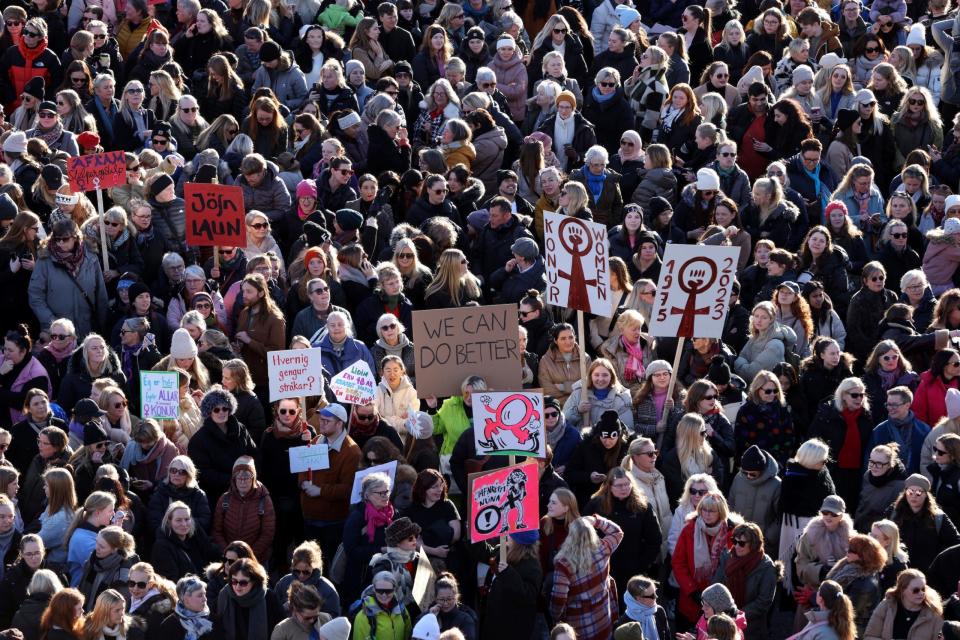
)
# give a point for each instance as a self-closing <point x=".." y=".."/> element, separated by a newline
<point x="658" y="205"/>
<point x="162" y="182"/>
<point x="609" y="421"/>
<point x="550" y="401"/>
<point x="270" y="51"/>
<point x="8" y="208"/>
<point x="137" y="289"/>
<point x="719" y="371"/>
<point x="206" y="174"/>
<point x="753" y="459"/>
<point x="315" y="234"/>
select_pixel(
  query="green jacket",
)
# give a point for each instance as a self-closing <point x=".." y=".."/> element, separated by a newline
<point x="390" y="625"/>
<point x="337" y="18"/>
<point x="450" y="421"/>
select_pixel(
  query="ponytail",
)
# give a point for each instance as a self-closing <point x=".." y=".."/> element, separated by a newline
<point x="840" y="617"/>
<point x="95" y="502"/>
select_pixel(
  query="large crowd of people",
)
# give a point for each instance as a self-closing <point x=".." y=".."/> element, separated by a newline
<point x="799" y="476"/>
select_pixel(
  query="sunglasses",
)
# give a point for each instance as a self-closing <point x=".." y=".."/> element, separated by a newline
<point x="878" y="279"/>
<point x="916" y="103"/>
<point x="31" y="34"/>
<point x="320" y="290"/>
<point x="889" y="358"/>
<point x="302" y="572"/>
<point x="239" y="583"/>
<point x="221" y="410"/>
<point x="917" y="590"/>
<point x="365" y="417"/>
<point x="405" y="256"/>
<point x="856" y="395"/>
<point x="898" y="236"/>
<point x="699" y="492"/>
<point x="877" y="464"/>
<point x="551" y="414"/>
<point x="438" y="192"/>
<point x="159" y="141"/>
<point x="112" y="223"/>
<point x="189" y="109"/>
<point x="63" y="239"/>
<point x="649" y="454"/>
<point x="346" y="172"/>
<point x="560" y="31"/>
<point x="177" y="471"/>
<point x="488" y="85"/>
<point x="135" y="90"/>
<point x="939" y="452"/>
<point x="47" y="114"/>
<point x="288" y="412"/>
<point x="120" y="405"/>
<point x="713" y="397"/>
<point x="99" y="36"/>
<point x="391" y="327"/>
<point x="14" y="23"/>
<point x="726" y="154"/>
<point x="139" y="585"/>
<point x="260" y="225"/>
<point x="58" y="336"/>
<point x="872" y="49"/>
<point x="768" y="392"/>
<point x="740" y="542"/>
<point x="203" y="305"/>
<point x="384" y="592"/>
<point x="830" y="514"/>
<point x="608" y="85"/>
<point x="78" y="79"/>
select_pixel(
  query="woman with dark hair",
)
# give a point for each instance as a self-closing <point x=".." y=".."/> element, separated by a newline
<point x="596" y="455"/>
<point x="945" y="472"/>
<point x="789" y="128"/>
<point x="823" y="371"/>
<point x="225" y="93"/>
<point x="751" y="576"/>
<point x="886" y="368"/>
<point x="828" y="263"/>
<point x="20" y="373"/>
<point x="697" y="30"/>
<point x="929" y="401"/>
<point x="18" y="254"/>
<point x="925" y="529"/>
<point x="619" y="499"/>
<point x="437" y="516"/>
<point x="247" y="609"/>
<point x="216" y="573"/>
<point x="560" y="365"/>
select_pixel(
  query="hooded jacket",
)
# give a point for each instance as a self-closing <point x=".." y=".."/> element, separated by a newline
<point x="214" y="451"/>
<point x="287" y="81"/>
<point x="877" y="494"/>
<point x="20" y="64"/>
<point x="655" y="182"/>
<point x="764" y="353"/>
<point x="270" y="196"/>
<point x="757" y="500"/>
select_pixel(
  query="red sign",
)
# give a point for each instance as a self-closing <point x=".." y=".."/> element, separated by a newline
<point x="97" y="171"/>
<point x="215" y="216"/>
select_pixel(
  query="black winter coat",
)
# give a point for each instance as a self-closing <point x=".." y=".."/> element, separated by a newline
<point x="589" y="457"/>
<point x="608" y="118"/>
<point x="492" y="247"/>
<point x="829" y="425"/>
<point x="818" y="383"/>
<point x="776" y="227"/>
<point x="833" y="274"/>
<point x="946" y="489"/>
<point x="250" y="414"/>
<point x="645" y="537"/>
<point x="864" y="314"/>
<point x="923" y="537"/>
<point x="512" y="602"/>
<point x="214" y="453"/>
<point x="573" y="58"/>
<point x="125" y="138"/>
<point x="803" y="490"/>
<point x="174" y="558"/>
<point x="164" y="494"/>
<point x="154" y="611"/>
<point x="421" y="210"/>
<point x="78" y="381"/>
<point x="385" y="154"/>
<point x="13" y="590"/>
<point x="584" y="137"/>
<point x="24" y="447"/>
<point x="171" y="629"/>
<point x="27" y="618"/>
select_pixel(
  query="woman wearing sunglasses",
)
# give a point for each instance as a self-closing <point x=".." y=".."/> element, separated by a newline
<point x="306" y="567"/>
<point x="911" y="607"/>
<point x="50" y="129"/>
<point x="152" y="597"/>
<point x="179" y="485"/>
<point x="247" y="609"/>
<point x="123" y="254"/>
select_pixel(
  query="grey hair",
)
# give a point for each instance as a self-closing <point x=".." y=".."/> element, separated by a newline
<point x="551" y="87"/>
<point x="485" y="74"/>
<point x="101" y="78"/>
<point x="44" y="581"/>
<point x="171" y="258"/>
<point x="194" y="318"/>
<point x="188" y="584"/>
<point x="346" y="320"/>
<point x="509" y="19"/>
<point x="388" y="118"/>
<point x="605" y="73"/>
<point x="596" y="153"/>
<point x="477" y="100"/>
<point x="373" y="480"/>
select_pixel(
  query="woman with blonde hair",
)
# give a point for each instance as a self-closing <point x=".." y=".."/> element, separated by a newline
<point x="836" y="94"/>
<point x="152" y="597"/>
<point x="453" y="284"/>
<point x="887" y="533"/>
<point x="916" y="124"/>
<point x="108" y="566"/>
<point x="71" y="206"/>
<point x="561" y="511"/>
<point x="909" y="608"/>
<point x="580" y="595"/>
<point x="640" y="462"/>
<point x="133" y="124"/>
<point x="164" y="95"/>
<point x="765" y="420"/>
<point x="691" y="455"/>
<point x="109" y="619"/>
<point x="768" y="342"/>
<point x="628" y="348"/>
<point x="415" y="275"/>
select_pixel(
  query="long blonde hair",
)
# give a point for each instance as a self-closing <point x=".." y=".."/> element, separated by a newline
<point x="449" y="279"/>
<point x="579" y="547"/>
<point x="99" y="618"/>
<point x="693" y="448"/>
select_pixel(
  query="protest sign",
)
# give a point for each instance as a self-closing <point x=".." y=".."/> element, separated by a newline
<point x="160" y="395"/>
<point x="354" y="385"/>
<point x="504" y="501"/>
<point x="312" y="457"/>
<point x="577" y="264"/>
<point x="215" y="215"/>
<point x="97" y="171"/>
<point x="509" y="423"/>
<point x="389" y="468"/>
<point x="294" y="373"/>
<point x="455" y="343"/>
<point x="693" y="295"/>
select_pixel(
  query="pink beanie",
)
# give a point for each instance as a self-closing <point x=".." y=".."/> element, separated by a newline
<point x="307" y="188"/>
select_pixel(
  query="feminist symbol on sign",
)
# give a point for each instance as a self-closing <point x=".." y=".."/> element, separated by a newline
<point x="572" y="234"/>
<point x="696" y="275"/>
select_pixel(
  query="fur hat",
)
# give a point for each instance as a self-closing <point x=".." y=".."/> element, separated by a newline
<point x="953" y="403"/>
<point x="427" y="628"/>
<point x="718" y="597"/>
<point x="182" y="345"/>
<point x="215" y="397"/>
<point x="401" y="529"/>
<point x="336" y="629"/>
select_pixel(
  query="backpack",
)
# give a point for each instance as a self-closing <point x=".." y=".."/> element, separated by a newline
<point x="356" y="608"/>
<point x="261" y="508"/>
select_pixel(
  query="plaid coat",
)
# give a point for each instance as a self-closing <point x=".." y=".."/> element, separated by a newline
<point x="588" y="602"/>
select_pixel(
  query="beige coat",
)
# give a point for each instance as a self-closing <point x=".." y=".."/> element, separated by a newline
<point x="880" y="627"/>
<point x="375" y="65"/>
<point x="557" y="376"/>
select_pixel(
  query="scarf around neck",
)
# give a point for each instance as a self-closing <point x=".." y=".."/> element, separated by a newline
<point x="196" y="623"/>
<point x="706" y="553"/>
<point x="71" y="260"/>
<point x="634" y="369"/>
<point x="229" y="605"/>
<point x="646" y="615"/>
<point x="51" y="136"/>
<point x="377" y="518"/>
<point x="62" y="352"/>
<point x="737" y="570"/>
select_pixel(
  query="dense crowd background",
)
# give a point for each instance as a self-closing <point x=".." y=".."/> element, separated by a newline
<point x="801" y="477"/>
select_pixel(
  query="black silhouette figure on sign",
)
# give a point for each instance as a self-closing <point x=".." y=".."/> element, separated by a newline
<point x="695" y="276"/>
<point x="573" y="234"/>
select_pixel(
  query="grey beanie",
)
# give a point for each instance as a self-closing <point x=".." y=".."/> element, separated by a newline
<point x="719" y="598"/>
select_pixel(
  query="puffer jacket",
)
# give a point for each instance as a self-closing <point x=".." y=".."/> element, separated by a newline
<point x="271" y="196"/>
<point x="926" y="627"/>
<point x="20" y="64"/>
<point x="170" y="222"/>
<point x="79" y="380"/>
<point x="512" y="81"/>
<point x="928" y="74"/>
<point x="764" y="353"/>
<point x="602" y="23"/>
<point x="941" y="259"/>
<point x="655" y="182"/>
<point x="864" y="314"/>
<point x="393" y="404"/>
<point x="877" y="495"/>
<point x="778" y="225"/>
<point x="757" y="500"/>
<point x="617" y="400"/>
<point x="249" y="517"/>
<point x="929" y="400"/>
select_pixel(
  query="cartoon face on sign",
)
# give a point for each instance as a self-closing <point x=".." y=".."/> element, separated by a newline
<point x="495" y="517"/>
<point x="513" y="423"/>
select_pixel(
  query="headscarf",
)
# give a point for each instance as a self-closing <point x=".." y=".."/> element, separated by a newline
<point x="636" y="150"/>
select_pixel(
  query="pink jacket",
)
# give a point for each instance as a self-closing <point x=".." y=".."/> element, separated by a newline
<point x="512" y="81"/>
<point x="33" y="369"/>
<point x="941" y="259"/>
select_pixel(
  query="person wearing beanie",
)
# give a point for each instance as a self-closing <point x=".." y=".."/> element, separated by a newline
<point x="218" y="444"/>
<point x="166" y="206"/>
<point x="407" y="561"/>
<point x="336" y="629"/>
<point x="245" y="512"/>
<point x="278" y="71"/>
<point x="597" y="454"/>
<point x="88" y="140"/>
<point x="572" y="133"/>
<point x="427" y="628"/>
<point x="511" y="75"/>
<point x="653" y="414"/>
<point x="755" y="492"/>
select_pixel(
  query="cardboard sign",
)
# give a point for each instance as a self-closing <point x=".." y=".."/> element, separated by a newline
<point x="693" y="295"/>
<point x="578" y="269"/>
<point x="97" y="171"/>
<point x="455" y="343"/>
<point x="215" y="215"/>
<point x="355" y="384"/>
<point x="160" y="395"/>
<point x="313" y="457"/>
<point x="509" y="422"/>
<point x="389" y="468"/>
<point x="504" y="501"/>
<point x="295" y="373"/>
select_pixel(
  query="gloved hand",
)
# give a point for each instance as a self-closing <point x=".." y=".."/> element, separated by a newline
<point x="570" y="152"/>
<point x="803" y="595"/>
<point x="14" y="264"/>
<point x="310" y="489"/>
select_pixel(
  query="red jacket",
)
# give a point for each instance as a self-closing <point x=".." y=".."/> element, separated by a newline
<point x="250" y="518"/>
<point x="19" y="64"/>
<point x="684" y="569"/>
<point x="930" y="398"/>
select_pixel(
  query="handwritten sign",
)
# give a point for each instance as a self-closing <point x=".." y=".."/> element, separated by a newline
<point x="314" y="457"/>
<point x="455" y="343"/>
<point x="160" y="395"/>
<point x="389" y="468"/>
<point x="355" y="384"/>
<point x="215" y="215"/>
<point x="578" y="270"/>
<point x="509" y="422"/>
<point x="504" y="501"/>
<point x="294" y="373"/>
<point x="693" y="294"/>
<point x="97" y="171"/>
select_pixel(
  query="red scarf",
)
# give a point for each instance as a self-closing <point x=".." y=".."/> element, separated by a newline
<point x="738" y="568"/>
<point x="377" y="518"/>
<point x="851" y="454"/>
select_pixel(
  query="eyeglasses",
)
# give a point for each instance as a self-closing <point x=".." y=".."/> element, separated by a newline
<point x="260" y="225"/>
<point x="876" y="464"/>
<point x="221" y="410"/>
<point x="740" y="542"/>
<point x="890" y="358"/>
<point x="560" y="31"/>
<point x="954" y="363"/>
<point x="916" y="492"/>
<point x="319" y="290"/>
<point x="239" y="583"/>
<point x="898" y="236"/>
<point x="830" y="514"/>
<point x="916" y="103"/>
<point x="382" y="494"/>
<point x="77" y="80"/>
<point x="203" y="305"/>
<point x="139" y="585"/>
<point x="100" y="445"/>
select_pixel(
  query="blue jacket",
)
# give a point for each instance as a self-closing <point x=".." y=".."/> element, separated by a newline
<point x="568" y="443"/>
<point x="353" y="350"/>
<point x="886" y="432"/>
<point x="82" y="543"/>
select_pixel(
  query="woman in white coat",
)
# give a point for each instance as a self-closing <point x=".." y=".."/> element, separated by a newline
<point x="395" y="396"/>
<point x="604" y="393"/>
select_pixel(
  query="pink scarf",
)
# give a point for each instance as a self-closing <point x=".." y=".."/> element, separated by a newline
<point x="377" y="518"/>
<point x="634" y="369"/>
<point x="62" y="352"/>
